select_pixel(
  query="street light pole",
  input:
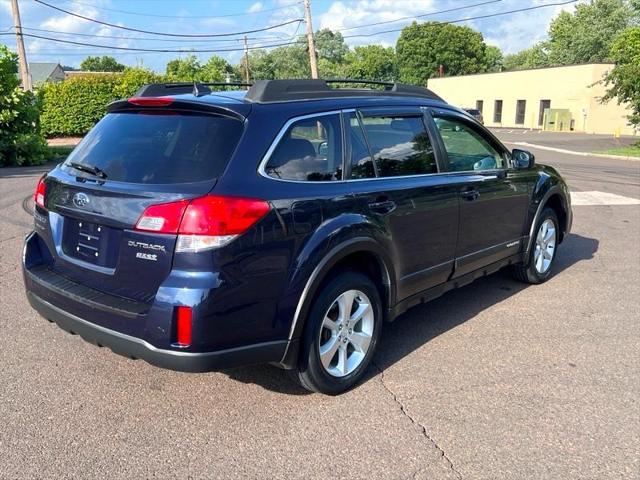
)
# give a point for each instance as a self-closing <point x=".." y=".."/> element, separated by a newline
<point x="22" y="56"/>
<point x="313" y="62"/>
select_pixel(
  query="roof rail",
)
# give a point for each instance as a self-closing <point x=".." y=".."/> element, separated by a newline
<point x="273" y="91"/>
<point x="197" y="88"/>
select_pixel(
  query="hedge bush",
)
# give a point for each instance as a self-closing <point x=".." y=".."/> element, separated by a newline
<point x="20" y="140"/>
<point x="73" y="106"/>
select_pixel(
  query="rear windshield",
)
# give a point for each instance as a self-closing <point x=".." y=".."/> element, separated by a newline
<point x="159" y="148"/>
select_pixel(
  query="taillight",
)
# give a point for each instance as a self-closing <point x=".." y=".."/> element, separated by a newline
<point x="162" y="218"/>
<point x="151" y="101"/>
<point x="203" y="223"/>
<point x="41" y="189"/>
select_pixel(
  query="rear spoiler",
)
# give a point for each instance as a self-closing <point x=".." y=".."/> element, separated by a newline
<point x="149" y="103"/>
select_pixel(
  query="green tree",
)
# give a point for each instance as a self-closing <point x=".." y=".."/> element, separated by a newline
<point x="101" y="64"/>
<point x="260" y="66"/>
<point x="132" y="79"/>
<point x="215" y="69"/>
<point x="586" y="35"/>
<point x="371" y="62"/>
<point x="533" y="57"/>
<point x="624" y="79"/>
<point x="20" y="140"/>
<point x="186" y="69"/>
<point x="330" y="45"/>
<point x="422" y="48"/>
<point x="493" y="59"/>
<point x="291" y="61"/>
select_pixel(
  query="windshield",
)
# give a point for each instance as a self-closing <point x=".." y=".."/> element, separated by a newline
<point x="141" y="147"/>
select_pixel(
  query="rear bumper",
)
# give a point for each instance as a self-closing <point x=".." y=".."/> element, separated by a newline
<point x="133" y="347"/>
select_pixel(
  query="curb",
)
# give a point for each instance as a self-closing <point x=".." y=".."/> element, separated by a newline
<point x="573" y="152"/>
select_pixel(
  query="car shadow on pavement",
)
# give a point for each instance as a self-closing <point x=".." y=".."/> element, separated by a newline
<point x="425" y="322"/>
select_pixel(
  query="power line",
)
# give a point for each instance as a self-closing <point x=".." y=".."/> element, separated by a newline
<point x="158" y="50"/>
<point x="144" y="14"/>
<point x="464" y="7"/>
<point x="146" y="39"/>
<point x="281" y="38"/>
<point x="460" y="20"/>
<point x="255" y="47"/>
<point x="89" y="19"/>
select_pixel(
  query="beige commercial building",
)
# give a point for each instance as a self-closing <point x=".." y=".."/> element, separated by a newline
<point x="570" y="95"/>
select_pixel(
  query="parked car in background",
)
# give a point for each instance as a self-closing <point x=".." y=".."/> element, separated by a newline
<point x="475" y="113"/>
<point x="200" y="230"/>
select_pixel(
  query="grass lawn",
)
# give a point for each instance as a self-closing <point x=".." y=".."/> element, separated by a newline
<point x="630" y="151"/>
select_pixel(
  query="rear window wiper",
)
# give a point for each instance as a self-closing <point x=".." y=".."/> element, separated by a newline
<point x="92" y="169"/>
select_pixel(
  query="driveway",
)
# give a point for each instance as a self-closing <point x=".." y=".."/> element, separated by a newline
<point x="497" y="380"/>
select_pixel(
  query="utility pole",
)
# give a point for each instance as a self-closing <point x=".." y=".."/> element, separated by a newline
<point x="22" y="56"/>
<point x="246" y="61"/>
<point x="313" y="62"/>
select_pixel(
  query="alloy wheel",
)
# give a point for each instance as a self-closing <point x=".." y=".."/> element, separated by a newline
<point x="346" y="333"/>
<point x="545" y="246"/>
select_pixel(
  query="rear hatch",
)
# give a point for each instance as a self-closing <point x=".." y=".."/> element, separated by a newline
<point x="135" y="157"/>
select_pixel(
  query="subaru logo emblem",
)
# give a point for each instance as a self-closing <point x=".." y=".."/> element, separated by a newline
<point x="81" y="199"/>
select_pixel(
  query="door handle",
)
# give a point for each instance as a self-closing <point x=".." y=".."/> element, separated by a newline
<point x="470" y="194"/>
<point x="382" y="207"/>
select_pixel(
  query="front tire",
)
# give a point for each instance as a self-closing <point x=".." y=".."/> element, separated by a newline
<point x="538" y="266"/>
<point x="341" y="334"/>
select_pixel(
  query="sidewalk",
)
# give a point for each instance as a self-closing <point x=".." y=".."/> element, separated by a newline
<point x="63" y="141"/>
<point x="571" y="141"/>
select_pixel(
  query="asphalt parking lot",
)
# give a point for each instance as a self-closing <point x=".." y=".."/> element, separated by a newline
<point x="497" y="380"/>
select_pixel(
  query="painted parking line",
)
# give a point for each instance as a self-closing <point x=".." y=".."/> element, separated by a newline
<point x="601" y="198"/>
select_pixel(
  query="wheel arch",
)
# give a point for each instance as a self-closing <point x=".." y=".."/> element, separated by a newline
<point x="361" y="254"/>
<point x="554" y="198"/>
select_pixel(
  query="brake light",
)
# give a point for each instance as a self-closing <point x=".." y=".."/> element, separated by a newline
<point x="41" y="189"/>
<point x="205" y="222"/>
<point x="151" y="101"/>
<point x="184" y="317"/>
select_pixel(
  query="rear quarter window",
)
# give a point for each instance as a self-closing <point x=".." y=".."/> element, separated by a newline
<point x="159" y="148"/>
<point x="310" y="150"/>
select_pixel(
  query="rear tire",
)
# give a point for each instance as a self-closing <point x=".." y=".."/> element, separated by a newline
<point x="539" y="264"/>
<point x="341" y="333"/>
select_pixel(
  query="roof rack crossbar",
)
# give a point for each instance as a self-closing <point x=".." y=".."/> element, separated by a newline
<point x="363" y="82"/>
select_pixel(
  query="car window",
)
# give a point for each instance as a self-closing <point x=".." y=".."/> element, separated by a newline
<point x="159" y="149"/>
<point x="361" y="161"/>
<point x="310" y="150"/>
<point x="467" y="149"/>
<point x="400" y="145"/>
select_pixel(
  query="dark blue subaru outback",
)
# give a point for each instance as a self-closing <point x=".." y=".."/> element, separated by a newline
<point x="200" y="230"/>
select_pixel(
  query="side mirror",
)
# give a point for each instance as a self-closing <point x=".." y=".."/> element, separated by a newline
<point x="323" y="149"/>
<point x="522" y="159"/>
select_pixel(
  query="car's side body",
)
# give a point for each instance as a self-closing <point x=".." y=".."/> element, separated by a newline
<point x="250" y="298"/>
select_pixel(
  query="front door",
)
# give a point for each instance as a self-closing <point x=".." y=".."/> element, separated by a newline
<point x="493" y="200"/>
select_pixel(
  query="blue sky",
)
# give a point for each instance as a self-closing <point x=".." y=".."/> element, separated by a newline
<point x="511" y="32"/>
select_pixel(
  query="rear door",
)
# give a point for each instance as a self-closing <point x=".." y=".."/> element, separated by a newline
<point x="395" y="178"/>
<point x="129" y="161"/>
<point x="493" y="199"/>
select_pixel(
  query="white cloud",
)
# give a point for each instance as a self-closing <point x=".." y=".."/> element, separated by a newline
<point x="256" y="7"/>
<point x="521" y="30"/>
<point x="341" y="15"/>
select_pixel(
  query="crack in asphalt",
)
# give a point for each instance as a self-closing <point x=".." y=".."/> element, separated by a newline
<point x="425" y="434"/>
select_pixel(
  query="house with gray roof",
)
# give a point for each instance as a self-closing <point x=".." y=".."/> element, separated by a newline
<point x="45" y="72"/>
